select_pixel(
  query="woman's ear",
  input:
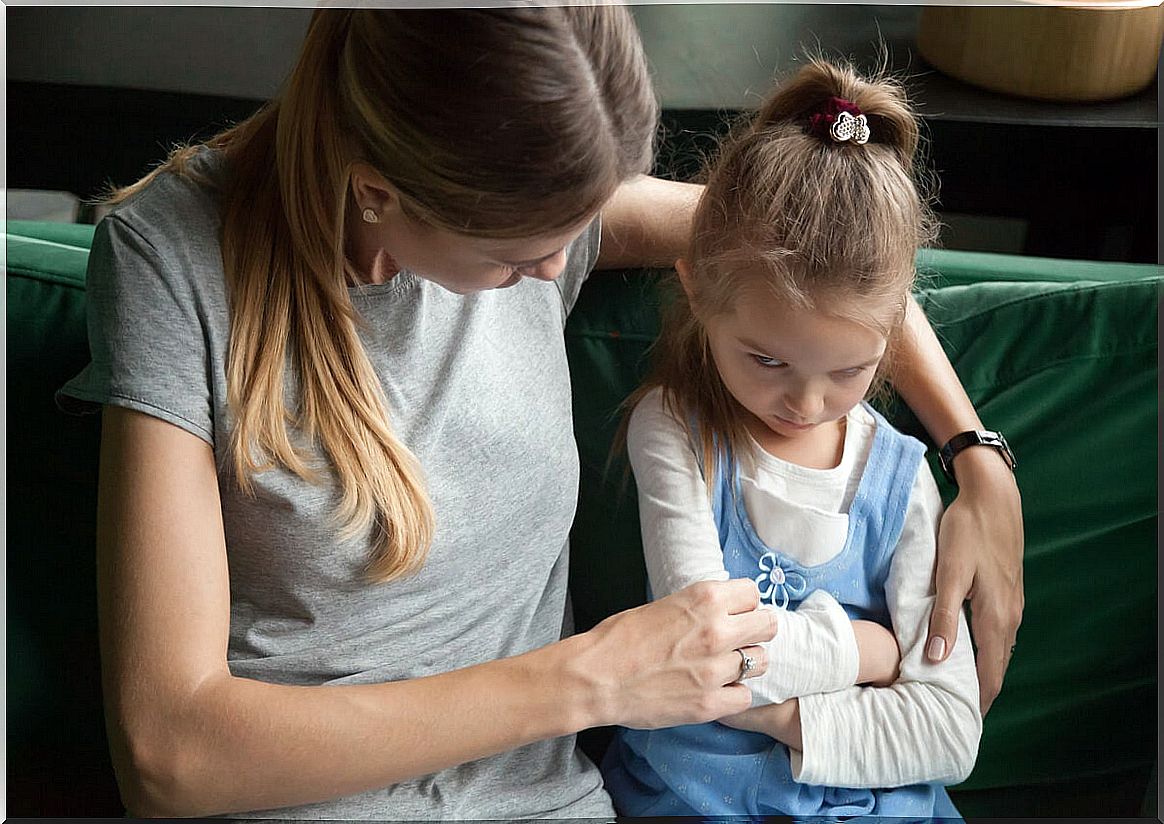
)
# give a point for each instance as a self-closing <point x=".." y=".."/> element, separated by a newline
<point x="372" y="191"/>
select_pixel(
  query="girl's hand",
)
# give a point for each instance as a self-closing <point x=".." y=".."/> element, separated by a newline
<point x="674" y="661"/>
<point x="781" y="721"/>
<point x="980" y="557"/>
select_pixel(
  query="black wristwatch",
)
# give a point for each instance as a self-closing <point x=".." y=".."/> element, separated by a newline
<point x="979" y="437"/>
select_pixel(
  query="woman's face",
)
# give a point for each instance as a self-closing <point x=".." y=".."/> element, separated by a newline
<point x="464" y="264"/>
<point x="460" y="263"/>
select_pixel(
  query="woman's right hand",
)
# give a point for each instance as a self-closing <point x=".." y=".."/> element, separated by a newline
<point x="676" y="660"/>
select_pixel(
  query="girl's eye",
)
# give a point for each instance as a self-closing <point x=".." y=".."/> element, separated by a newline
<point x="768" y="362"/>
<point x="851" y="373"/>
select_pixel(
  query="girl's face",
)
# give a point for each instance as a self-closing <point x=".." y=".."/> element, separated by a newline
<point x="794" y="369"/>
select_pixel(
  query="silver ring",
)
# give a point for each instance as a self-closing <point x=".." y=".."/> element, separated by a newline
<point x="747" y="664"/>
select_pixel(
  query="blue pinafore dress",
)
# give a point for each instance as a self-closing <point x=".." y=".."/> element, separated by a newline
<point x="714" y="770"/>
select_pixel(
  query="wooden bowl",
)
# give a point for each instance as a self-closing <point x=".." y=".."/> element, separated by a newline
<point x="1079" y="51"/>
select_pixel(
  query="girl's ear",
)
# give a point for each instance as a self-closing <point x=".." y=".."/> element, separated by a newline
<point x="683" y="268"/>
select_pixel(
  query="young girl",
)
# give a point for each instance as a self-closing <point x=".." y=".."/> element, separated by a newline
<point x="756" y="457"/>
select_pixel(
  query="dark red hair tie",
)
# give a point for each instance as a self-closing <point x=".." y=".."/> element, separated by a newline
<point x="839" y="120"/>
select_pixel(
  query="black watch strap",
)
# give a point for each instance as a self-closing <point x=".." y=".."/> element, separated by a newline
<point x="979" y="437"/>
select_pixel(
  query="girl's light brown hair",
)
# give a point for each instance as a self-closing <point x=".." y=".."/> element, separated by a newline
<point x="490" y="123"/>
<point x="813" y="222"/>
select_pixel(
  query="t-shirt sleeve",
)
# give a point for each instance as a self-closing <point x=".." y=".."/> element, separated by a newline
<point x="148" y="337"/>
<point x="580" y="260"/>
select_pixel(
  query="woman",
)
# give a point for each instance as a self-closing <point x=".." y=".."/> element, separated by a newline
<point x="338" y="471"/>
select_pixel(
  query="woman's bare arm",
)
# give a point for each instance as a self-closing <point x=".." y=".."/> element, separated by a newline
<point x="188" y="738"/>
<point x="647" y="223"/>
<point x="980" y="545"/>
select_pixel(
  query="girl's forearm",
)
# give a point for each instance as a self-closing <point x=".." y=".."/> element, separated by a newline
<point x="779" y="721"/>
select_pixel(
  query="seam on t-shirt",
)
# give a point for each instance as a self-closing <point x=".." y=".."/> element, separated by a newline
<point x="116" y="217"/>
<point x="152" y="405"/>
<point x="402" y="282"/>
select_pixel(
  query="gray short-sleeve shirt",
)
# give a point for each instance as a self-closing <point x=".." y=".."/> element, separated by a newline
<point x="477" y="387"/>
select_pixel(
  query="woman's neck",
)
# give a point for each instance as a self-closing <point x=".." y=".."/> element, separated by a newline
<point x="367" y="255"/>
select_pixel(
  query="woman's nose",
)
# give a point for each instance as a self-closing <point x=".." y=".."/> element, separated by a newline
<point x="548" y="269"/>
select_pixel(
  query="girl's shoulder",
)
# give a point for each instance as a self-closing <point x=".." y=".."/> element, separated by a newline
<point x="924" y="495"/>
<point x="864" y="415"/>
<point x="652" y="409"/>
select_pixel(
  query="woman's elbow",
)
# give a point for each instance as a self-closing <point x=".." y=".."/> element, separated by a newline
<point x="160" y="771"/>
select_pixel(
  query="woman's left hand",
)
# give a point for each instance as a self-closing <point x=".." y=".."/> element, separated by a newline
<point x="980" y="558"/>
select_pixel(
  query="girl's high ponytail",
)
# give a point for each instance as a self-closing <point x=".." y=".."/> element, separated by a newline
<point x="879" y="97"/>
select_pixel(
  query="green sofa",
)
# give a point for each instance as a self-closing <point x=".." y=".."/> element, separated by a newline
<point x="1060" y="355"/>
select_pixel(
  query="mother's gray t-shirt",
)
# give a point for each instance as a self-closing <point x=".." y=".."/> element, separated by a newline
<point x="477" y="387"/>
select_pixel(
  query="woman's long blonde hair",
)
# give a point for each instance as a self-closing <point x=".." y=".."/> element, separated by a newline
<point x="490" y="123"/>
<point x="804" y="218"/>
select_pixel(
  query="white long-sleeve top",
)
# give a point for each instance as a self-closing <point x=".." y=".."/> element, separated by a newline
<point x="924" y="727"/>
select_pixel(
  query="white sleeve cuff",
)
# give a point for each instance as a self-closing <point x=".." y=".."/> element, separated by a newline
<point x="814" y="651"/>
<point x="810" y="765"/>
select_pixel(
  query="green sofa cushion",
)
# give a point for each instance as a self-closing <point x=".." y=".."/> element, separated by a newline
<point x="58" y="759"/>
<point x="1068" y="371"/>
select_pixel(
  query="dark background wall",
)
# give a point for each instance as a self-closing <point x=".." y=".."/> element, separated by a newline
<point x="95" y="95"/>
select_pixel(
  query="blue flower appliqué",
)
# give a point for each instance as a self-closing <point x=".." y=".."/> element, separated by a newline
<point x="776" y="585"/>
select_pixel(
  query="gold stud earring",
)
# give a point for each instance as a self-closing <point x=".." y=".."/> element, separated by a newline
<point x="370" y="216"/>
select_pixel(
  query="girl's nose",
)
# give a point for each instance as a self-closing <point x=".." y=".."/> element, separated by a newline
<point x="806" y="404"/>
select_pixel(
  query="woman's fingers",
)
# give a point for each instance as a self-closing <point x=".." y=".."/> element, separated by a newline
<point x="678" y="660"/>
<point x="980" y="556"/>
<point x="741" y="595"/>
<point x="994" y="630"/>
<point x="745" y="662"/>
<point x="745" y="625"/>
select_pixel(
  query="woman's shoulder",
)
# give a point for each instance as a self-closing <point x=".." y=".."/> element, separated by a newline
<point x="163" y="239"/>
<point x="178" y="207"/>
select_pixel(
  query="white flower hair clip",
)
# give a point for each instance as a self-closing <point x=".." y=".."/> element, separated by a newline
<point x="848" y="127"/>
<point x="840" y="120"/>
